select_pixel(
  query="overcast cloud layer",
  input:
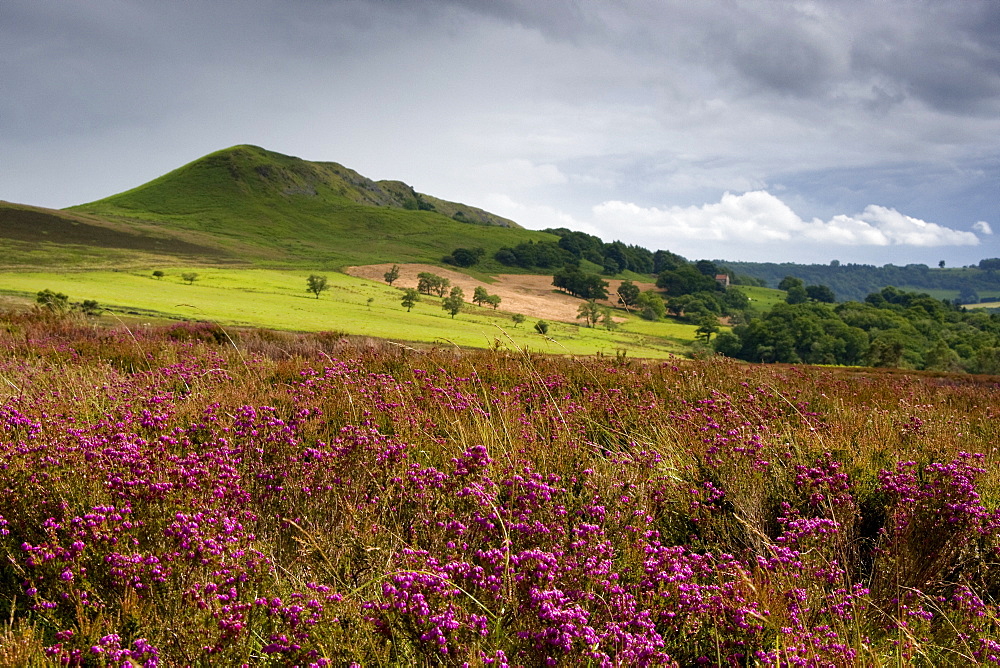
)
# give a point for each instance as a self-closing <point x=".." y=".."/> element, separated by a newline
<point x="788" y="131"/>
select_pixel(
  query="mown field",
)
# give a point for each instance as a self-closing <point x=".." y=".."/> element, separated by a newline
<point x="278" y="300"/>
<point x="180" y="496"/>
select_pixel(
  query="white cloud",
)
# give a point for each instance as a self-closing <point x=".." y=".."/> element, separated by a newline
<point x="982" y="227"/>
<point x="760" y="217"/>
<point x="535" y="216"/>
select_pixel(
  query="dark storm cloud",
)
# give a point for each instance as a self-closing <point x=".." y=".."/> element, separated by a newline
<point x="947" y="55"/>
<point x="944" y="54"/>
<point x="546" y="108"/>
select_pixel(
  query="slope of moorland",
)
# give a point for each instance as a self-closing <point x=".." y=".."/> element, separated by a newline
<point x="41" y="238"/>
<point x="277" y="210"/>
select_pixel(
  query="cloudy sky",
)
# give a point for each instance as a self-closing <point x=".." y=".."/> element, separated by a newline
<point x="727" y="129"/>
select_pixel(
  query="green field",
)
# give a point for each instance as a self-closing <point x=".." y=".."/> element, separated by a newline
<point x="278" y="300"/>
<point x="761" y="299"/>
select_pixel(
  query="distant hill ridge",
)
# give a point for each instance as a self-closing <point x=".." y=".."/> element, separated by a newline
<point x="248" y="205"/>
<point x="251" y="172"/>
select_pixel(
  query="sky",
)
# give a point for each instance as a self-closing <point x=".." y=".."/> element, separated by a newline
<point x="784" y="131"/>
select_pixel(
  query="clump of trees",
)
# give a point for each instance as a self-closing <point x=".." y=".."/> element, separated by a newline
<point x="580" y="284"/>
<point x="890" y="328"/>
<point x="428" y="283"/>
<point x="531" y="255"/>
<point x="590" y="311"/>
<point x="797" y="292"/>
<point x="464" y="257"/>
<point x="480" y="296"/>
<point x="650" y="305"/>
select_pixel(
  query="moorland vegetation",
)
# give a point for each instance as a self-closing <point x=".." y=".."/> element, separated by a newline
<point x="189" y="495"/>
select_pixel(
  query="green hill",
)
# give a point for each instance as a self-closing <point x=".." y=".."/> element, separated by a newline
<point x="271" y="209"/>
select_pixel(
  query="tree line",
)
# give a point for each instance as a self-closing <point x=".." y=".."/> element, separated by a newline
<point x="889" y="328"/>
<point x="856" y="281"/>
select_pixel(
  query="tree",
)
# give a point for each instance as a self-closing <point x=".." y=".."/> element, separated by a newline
<point x="628" y="293"/>
<point x="454" y="301"/>
<point x="968" y="296"/>
<point x="56" y="302"/>
<point x="651" y="306"/>
<point x="542" y="327"/>
<point x="442" y="286"/>
<point x="392" y="274"/>
<point x="797" y="294"/>
<point x="369" y="301"/>
<point x="410" y="298"/>
<point x="608" y="319"/>
<point x="517" y="318"/>
<point x="189" y="277"/>
<point x="479" y="295"/>
<point x="788" y="281"/>
<point x="708" y="325"/>
<point x="820" y="293"/>
<point x="941" y="264"/>
<point x="158" y="274"/>
<point x="493" y="300"/>
<point x="316" y="284"/>
<point x="590" y="312"/>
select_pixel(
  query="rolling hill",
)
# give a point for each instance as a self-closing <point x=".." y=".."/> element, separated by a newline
<point x="270" y="209"/>
<point x="248" y="206"/>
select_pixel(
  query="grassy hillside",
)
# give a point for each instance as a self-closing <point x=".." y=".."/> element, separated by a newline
<point x="276" y="210"/>
<point x="277" y="299"/>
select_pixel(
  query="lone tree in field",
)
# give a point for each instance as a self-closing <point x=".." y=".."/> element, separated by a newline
<point x="517" y="318"/>
<point x="708" y="325"/>
<point x="480" y="295"/>
<point x="410" y="298"/>
<point x="493" y="300"/>
<point x="453" y="302"/>
<point x="392" y="274"/>
<point x="316" y="284"/>
<point x="56" y="302"/>
<point x="542" y="327"/>
<point x="189" y="277"/>
<point x="590" y="312"/>
<point x="158" y="274"/>
<point x="608" y="319"/>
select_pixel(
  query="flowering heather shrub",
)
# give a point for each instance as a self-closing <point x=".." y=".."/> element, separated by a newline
<point x="169" y="498"/>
